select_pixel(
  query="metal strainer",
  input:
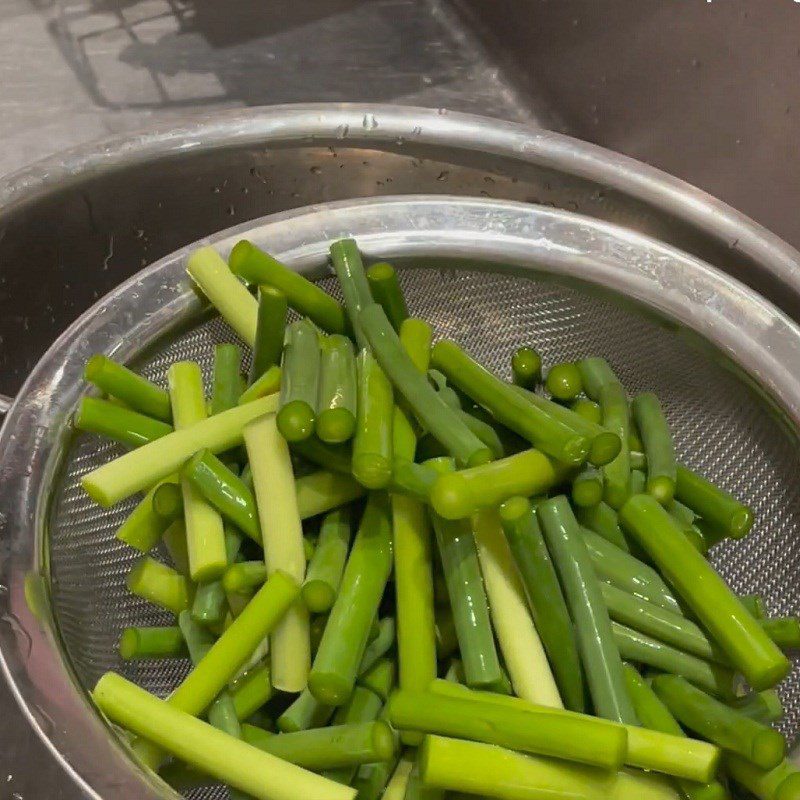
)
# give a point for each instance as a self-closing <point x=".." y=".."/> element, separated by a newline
<point x="491" y="274"/>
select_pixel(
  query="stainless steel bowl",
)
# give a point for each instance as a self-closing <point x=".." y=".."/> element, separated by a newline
<point x="74" y="226"/>
<point x="490" y="273"/>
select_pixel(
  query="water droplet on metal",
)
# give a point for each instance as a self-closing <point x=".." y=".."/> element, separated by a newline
<point x="342" y="131"/>
<point x="369" y="122"/>
<point x="109" y="253"/>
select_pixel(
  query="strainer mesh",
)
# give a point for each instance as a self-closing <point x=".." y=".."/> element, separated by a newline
<point x="721" y="428"/>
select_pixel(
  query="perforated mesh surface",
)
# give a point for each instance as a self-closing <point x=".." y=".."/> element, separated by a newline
<point x="721" y="428"/>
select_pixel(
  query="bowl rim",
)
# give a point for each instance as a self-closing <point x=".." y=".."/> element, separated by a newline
<point x="390" y="124"/>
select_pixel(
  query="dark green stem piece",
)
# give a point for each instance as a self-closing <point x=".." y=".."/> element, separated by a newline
<point x="337" y="397"/>
<point x="596" y="645"/>
<point x="719" y="723"/>
<point x="227" y="383"/>
<point x="387" y="293"/>
<point x="120" y="424"/>
<point x="545" y="599"/>
<point x="372" y="446"/>
<point x="135" y="391"/>
<point x="509" y="406"/>
<point x="435" y="415"/>
<point x="257" y="267"/>
<point x="299" y="376"/>
<point x="270" y="330"/>
<point x="658" y="447"/>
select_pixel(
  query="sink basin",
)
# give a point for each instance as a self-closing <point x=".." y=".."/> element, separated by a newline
<point x="703" y="90"/>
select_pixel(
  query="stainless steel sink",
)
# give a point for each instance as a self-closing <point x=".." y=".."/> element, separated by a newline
<point x="704" y="90"/>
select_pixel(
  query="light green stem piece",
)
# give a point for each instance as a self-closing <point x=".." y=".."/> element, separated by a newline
<point x="224" y="757"/>
<point x="491" y="771"/>
<point x="708" y="596"/>
<point x="781" y="783"/>
<point x="205" y="533"/>
<point x="380" y="677"/>
<point x="666" y="751"/>
<point x="324" y="491"/>
<point x="523" y="653"/>
<point x="558" y="734"/>
<point x="397" y="787"/>
<point x="143" y="527"/>
<point x="227" y="294"/>
<point x="142" y="468"/>
<point x="304" y="713"/>
<point x="251" y="691"/>
<point x="230" y="652"/>
<point x="282" y="537"/>
<point x="263" y="386"/>
<point x="413" y="583"/>
<point x="160" y="584"/>
<point x="379" y="646"/>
